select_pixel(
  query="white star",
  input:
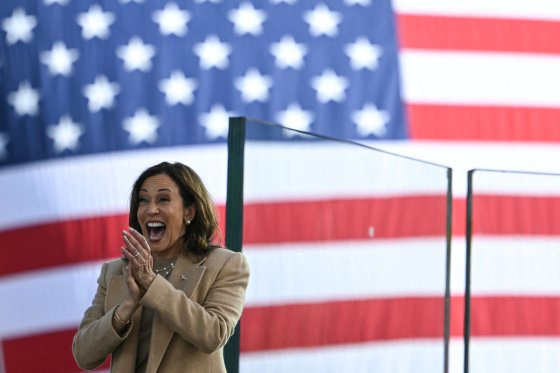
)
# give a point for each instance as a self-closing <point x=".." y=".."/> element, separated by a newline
<point x="283" y="1"/>
<point x="288" y="53"/>
<point x="212" y="53"/>
<point x="363" y="54"/>
<point x="247" y="19"/>
<point x="65" y="134"/>
<point x="59" y="59"/>
<point x="253" y="86"/>
<point x="25" y="100"/>
<point x="3" y="142"/>
<point x="19" y="27"/>
<point x="322" y="21"/>
<point x="329" y="86"/>
<point x="101" y="94"/>
<point x="358" y="2"/>
<point x="60" y="2"/>
<point x="296" y="118"/>
<point x="136" y="55"/>
<point x="370" y="121"/>
<point x="178" y="89"/>
<point x="142" y="127"/>
<point x="172" y="20"/>
<point x="216" y="122"/>
<point x="95" y="22"/>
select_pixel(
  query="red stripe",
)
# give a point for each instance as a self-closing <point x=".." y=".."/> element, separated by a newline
<point x="83" y="240"/>
<point x="346" y="322"/>
<point x="478" y="34"/>
<point x="344" y="219"/>
<point x="333" y="323"/>
<point x="488" y="123"/>
<point x="511" y="215"/>
<point x="49" y="352"/>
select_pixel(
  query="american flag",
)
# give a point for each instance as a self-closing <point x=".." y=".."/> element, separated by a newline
<point x="93" y="92"/>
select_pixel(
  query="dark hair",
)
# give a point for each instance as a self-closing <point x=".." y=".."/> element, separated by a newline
<point x="203" y="230"/>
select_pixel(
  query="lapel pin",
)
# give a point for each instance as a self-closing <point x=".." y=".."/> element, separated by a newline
<point x="183" y="277"/>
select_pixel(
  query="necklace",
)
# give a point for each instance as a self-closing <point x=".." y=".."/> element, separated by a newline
<point x="165" y="271"/>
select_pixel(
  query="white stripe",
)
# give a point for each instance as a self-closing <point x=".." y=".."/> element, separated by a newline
<point x="521" y="9"/>
<point x="294" y="273"/>
<point x="463" y="156"/>
<point x="276" y="171"/>
<point x="46" y="300"/>
<point x="501" y="265"/>
<point x="505" y="79"/>
<point x="310" y="273"/>
<point x="512" y="355"/>
<point x="421" y="356"/>
<point x="515" y="266"/>
<point x="95" y="185"/>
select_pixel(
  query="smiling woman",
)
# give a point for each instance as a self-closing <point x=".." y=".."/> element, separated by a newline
<point x="173" y="301"/>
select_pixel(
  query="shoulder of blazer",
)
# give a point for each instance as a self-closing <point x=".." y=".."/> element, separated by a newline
<point x="218" y="257"/>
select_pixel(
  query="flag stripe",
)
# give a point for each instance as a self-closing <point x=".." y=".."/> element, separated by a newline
<point x="56" y="358"/>
<point x="279" y="327"/>
<point x="351" y="321"/>
<point x="478" y="34"/>
<point x="483" y="123"/>
<point x="480" y="78"/>
<point x="520" y="9"/>
<point x="512" y="355"/>
<point x="422" y="355"/>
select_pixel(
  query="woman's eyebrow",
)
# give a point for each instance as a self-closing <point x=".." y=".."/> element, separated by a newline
<point x="159" y="190"/>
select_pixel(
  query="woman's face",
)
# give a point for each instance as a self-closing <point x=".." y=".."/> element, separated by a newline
<point x="161" y="215"/>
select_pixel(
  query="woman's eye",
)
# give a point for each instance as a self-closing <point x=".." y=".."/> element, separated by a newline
<point x="164" y="199"/>
<point x="142" y="200"/>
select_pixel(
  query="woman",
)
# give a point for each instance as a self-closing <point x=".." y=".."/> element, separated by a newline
<point x="173" y="300"/>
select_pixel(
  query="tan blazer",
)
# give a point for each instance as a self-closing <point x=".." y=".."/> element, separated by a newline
<point x="196" y="313"/>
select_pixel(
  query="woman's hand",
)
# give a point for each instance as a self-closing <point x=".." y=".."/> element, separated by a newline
<point x="140" y="261"/>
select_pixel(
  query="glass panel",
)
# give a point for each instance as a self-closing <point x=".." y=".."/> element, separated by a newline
<point x="515" y="277"/>
<point x="347" y="248"/>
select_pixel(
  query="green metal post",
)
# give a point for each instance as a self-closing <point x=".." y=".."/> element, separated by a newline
<point x="234" y="217"/>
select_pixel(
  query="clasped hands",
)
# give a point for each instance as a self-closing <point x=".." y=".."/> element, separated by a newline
<point x="140" y="272"/>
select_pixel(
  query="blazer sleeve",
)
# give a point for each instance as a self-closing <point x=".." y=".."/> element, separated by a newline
<point x="207" y="326"/>
<point x="96" y="338"/>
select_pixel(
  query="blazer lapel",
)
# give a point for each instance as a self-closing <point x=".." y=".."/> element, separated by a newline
<point x="185" y="276"/>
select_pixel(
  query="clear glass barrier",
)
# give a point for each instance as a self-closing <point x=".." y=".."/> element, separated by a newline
<point x="347" y="247"/>
<point x="515" y="276"/>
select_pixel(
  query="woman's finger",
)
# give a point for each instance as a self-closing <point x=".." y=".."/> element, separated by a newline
<point x="138" y="243"/>
<point x="140" y="239"/>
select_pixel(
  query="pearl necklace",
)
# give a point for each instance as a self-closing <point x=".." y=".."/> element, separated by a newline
<point x="165" y="271"/>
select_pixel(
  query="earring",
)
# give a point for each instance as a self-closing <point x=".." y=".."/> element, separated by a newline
<point x="187" y="222"/>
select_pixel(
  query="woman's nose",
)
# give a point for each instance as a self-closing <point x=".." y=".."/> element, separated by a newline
<point x="152" y="209"/>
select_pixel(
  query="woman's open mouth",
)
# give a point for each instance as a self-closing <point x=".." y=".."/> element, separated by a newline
<point x="155" y="230"/>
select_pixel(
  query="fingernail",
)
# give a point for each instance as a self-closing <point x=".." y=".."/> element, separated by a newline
<point x="132" y="229"/>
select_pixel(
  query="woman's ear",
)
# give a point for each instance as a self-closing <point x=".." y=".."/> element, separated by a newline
<point x="189" y="214"/>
